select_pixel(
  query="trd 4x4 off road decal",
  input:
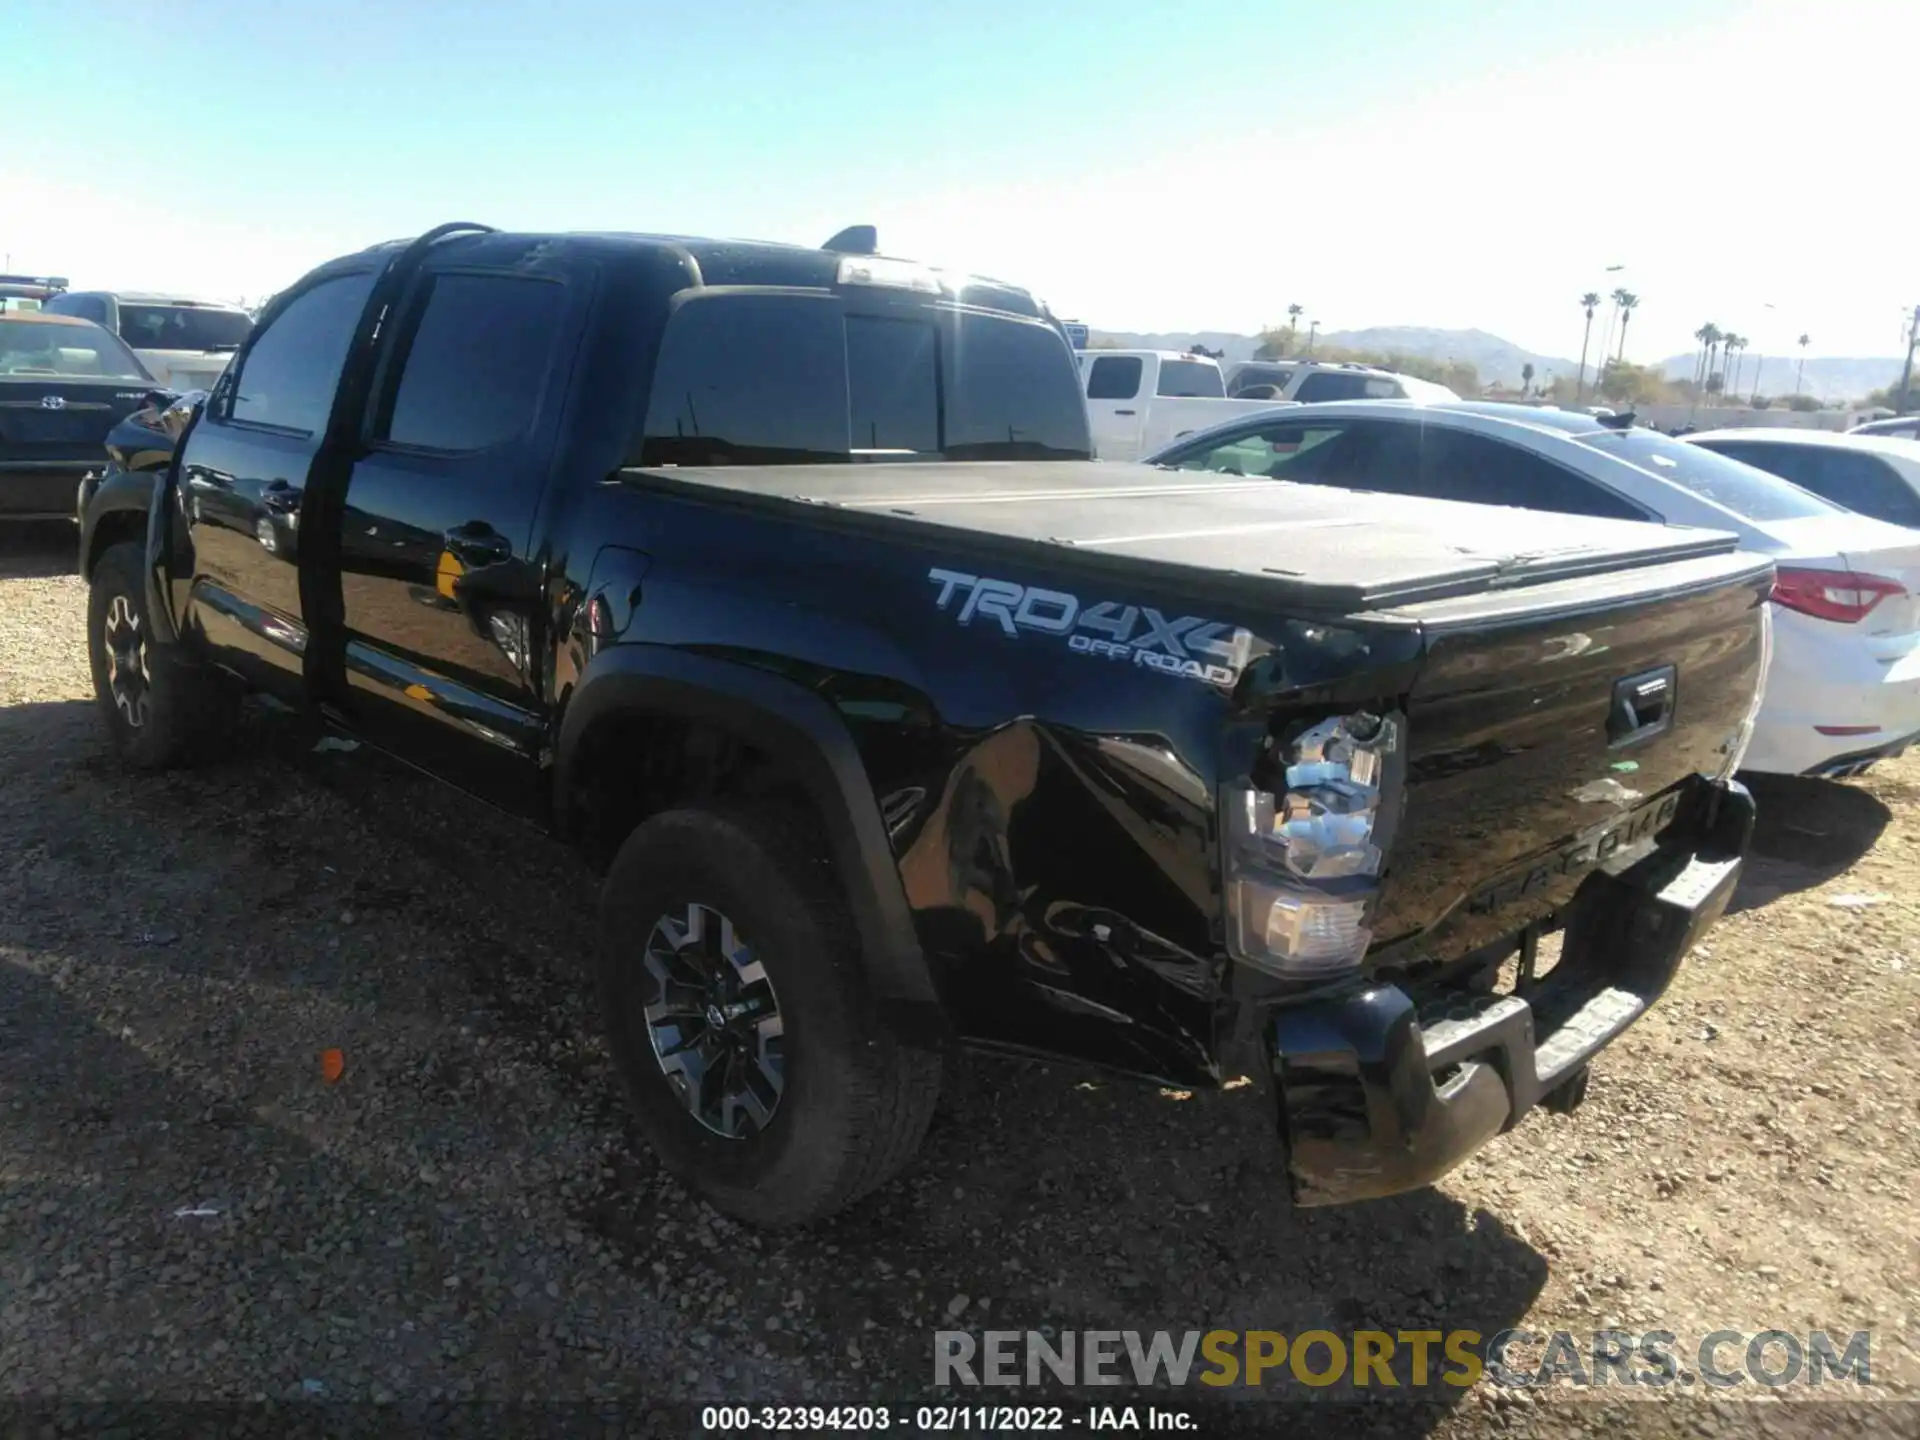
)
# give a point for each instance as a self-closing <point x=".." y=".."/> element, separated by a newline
<point x="1188" y="646"/>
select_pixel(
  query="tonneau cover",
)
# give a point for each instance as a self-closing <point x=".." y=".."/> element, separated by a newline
<point x="1323" y="547"/>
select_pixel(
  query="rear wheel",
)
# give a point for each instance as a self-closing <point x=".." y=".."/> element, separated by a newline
<point x="737" y="1012"/>
<point x="159" y="707"/>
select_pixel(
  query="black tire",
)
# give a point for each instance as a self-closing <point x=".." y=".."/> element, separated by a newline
<point x="182" y="709"/>
<point x="856" y="1102"/>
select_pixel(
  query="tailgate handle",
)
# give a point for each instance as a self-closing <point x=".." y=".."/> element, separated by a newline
<point x="1642" y="705"/>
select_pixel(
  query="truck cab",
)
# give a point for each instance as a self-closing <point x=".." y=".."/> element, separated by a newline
<point x="1139" y="401"/>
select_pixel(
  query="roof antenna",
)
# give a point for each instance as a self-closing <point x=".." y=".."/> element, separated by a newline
<point x="855" y="240"/>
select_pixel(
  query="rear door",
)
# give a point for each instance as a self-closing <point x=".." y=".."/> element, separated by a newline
<point x="243" y="477"/>
<point x="1116" y="405"/>
<point x="440" y="584"/>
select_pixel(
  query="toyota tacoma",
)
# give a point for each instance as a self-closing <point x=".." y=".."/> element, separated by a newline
<point x="780" y="581"/>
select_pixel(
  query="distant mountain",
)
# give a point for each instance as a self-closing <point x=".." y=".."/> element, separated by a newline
<point x="1499" y="361"/>
<point x="1829" y="377"/>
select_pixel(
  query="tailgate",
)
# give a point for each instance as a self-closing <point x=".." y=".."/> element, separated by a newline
<point x="1518" y="748"/>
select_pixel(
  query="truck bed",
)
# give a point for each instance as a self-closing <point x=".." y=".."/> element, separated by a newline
<point x="1313" y="546"/>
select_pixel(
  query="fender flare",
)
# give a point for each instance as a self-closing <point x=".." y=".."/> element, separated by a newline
<point x="119" y="492"/>
<point x="811" y="741"/>
<point x="142" y="494"/>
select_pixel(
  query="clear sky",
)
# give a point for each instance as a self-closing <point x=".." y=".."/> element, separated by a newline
<point x="1141" y="165"/>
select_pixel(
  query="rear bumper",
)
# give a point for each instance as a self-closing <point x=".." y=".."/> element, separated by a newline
<point x="42" y="489"/>
<point x="1382" y="1091"/>
<point x="1853" y="762"/>
<point x="1842" y="685"/>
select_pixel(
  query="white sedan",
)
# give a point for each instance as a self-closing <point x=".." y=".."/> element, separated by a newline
<point x="1843" y="689"/>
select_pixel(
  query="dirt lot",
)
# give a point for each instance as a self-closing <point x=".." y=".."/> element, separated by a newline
<point x="187" y="1212"/>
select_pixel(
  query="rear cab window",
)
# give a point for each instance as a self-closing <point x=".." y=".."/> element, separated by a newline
<point x="1749" y="493"/>
<point x="794" y="377"/>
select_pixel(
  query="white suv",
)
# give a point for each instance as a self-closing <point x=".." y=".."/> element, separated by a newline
<point x="185" y="344"/>
<point x="1311" y="381"/>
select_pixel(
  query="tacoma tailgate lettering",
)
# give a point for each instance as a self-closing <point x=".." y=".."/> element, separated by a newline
<point x="1189" y="646"/>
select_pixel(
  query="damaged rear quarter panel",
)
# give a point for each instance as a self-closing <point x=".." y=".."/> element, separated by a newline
<point x="1045" y="740"/>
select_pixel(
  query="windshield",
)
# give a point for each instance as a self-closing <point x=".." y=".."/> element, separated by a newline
<point x="1749" y="493"/>
<point x="773" y="379"/>
<point x="182" y="327"/>
<point x="37" y="347"/>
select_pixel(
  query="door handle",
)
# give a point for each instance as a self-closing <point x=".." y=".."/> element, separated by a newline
<point x="477" y="543"/>
<point x="1124" y="412"/>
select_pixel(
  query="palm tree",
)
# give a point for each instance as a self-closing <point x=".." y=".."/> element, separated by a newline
<point x="1606" y="336"/>
<point x="1730" y="382"/>
<point x="1294" y="312"/>
<point x="1628" y="302"/>
<point x="1526" y="380"/>
<point x="1708" y="335"/>
<point x="1589" y="302"/>
<point x="1800" y="373"/>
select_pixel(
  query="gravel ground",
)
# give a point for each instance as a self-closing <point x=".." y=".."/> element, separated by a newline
<point x="188" y="1213"/>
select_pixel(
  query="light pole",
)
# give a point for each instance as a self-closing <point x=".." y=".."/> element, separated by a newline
<point x="1313" y="329"/>
<point x="1906" y="371"/>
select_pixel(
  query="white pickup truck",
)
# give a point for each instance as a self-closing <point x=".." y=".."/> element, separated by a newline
<point x="1141" y="400"/>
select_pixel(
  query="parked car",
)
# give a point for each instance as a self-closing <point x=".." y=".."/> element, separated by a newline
<point x="1875" y="475"/>
<point x="1140" y="400"/>
<point x="64" y="383"/>
<point x="1311" y="381"/>
<point x="28" y="292"/>
<point x="985" y="742"/>
<point x="1900" y="427"/>
<point x="1845" y="684"/>
<point x="184" y="343"/>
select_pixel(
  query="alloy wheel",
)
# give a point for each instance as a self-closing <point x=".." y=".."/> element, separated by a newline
<point x="128" y="679"/>
<point x="714" y="1022"/>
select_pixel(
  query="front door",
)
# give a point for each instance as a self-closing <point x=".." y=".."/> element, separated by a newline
<point x="1115" y="406"/>
<point x="441" y="583"/>
<point x="243" y="477"/>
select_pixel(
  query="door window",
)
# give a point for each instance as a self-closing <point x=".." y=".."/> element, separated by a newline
<point x="1190" y="380"/>
<point x="472" y="360"/>
<point x="1114" y="377"/>
<point x="1270" y="452"/>
<point x="1856" y="480"/>
<point x="1462" y="466"/>
<point x="290" y="373"/>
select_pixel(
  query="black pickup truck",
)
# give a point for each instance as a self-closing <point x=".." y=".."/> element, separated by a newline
<point x="780" y="581"/>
